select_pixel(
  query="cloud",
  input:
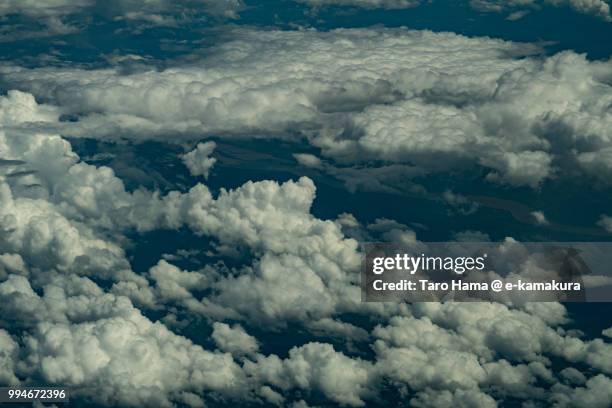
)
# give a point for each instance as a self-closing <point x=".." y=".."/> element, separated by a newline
<point x="39" y="225"/>
<point x="597" y="163"/>
<point x="573" y="376"/>
<point x="524" y="120"/>
<point x="596" y="8"/>
<point x="539" y="218"/>
<point x="460" y="202"/>
<point x="41" y="18"/>
<point x="366" y="4"/>
<point x="44" y="7"/>
<point x="20" y="107"/>
<point x="148" y="9"/>
<point x="8" y="358"/>
<point x="303" y="268"/>
<point x="605" y="222"/>
<point x="447" y="399"/>
<point x="316" y="366"/>
<point x="233" y="339"/>
<point x="103" y="348"/>
<point x="596" y="393"/>
<point x="419" y="351"/>
<point x="198" y="161"/>
<point x="333" y="328"/>
<point x="504" y="333"/>
<point x="517" y="15"/>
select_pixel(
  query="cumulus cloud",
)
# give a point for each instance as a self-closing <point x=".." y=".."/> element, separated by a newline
<point x="37" y="223"/>
<point x="419" y="351"/>
<point x="233" y="339"/>
<point x="304" y="268"/>
<point x="573" y="376"/>
<point x="57" y="213"/>
<point x="104" y="349"/>
<point x="316" y="366"/>
<point x="20" y="107"/>
<point x="596" y="393"/>
<point x="525" y="120"/>
<point x="198" y="161"/>
<point x="503" y="333"/>
<point x="447" y="399"/>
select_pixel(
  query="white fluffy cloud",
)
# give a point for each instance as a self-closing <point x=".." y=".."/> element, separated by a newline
<point x="103" y="348"/>
<point x="34" y="217"/>
<point x="316" y="366"/>
<point x="304" y="267"/>
<point x="233" y="339"/>
<point x="462" y="349"/>
<point x="525" y="120"/>
<point x="198" y="161"/>
<point x="597" y="393"/>
<point x="515" y="335"/>
<point x="20" y="107"/>
<point x="57" y="212"/>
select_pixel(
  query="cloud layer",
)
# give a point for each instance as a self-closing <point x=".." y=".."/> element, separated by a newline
<point x="596" y="8"/>
<point x="525" y="120"/>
